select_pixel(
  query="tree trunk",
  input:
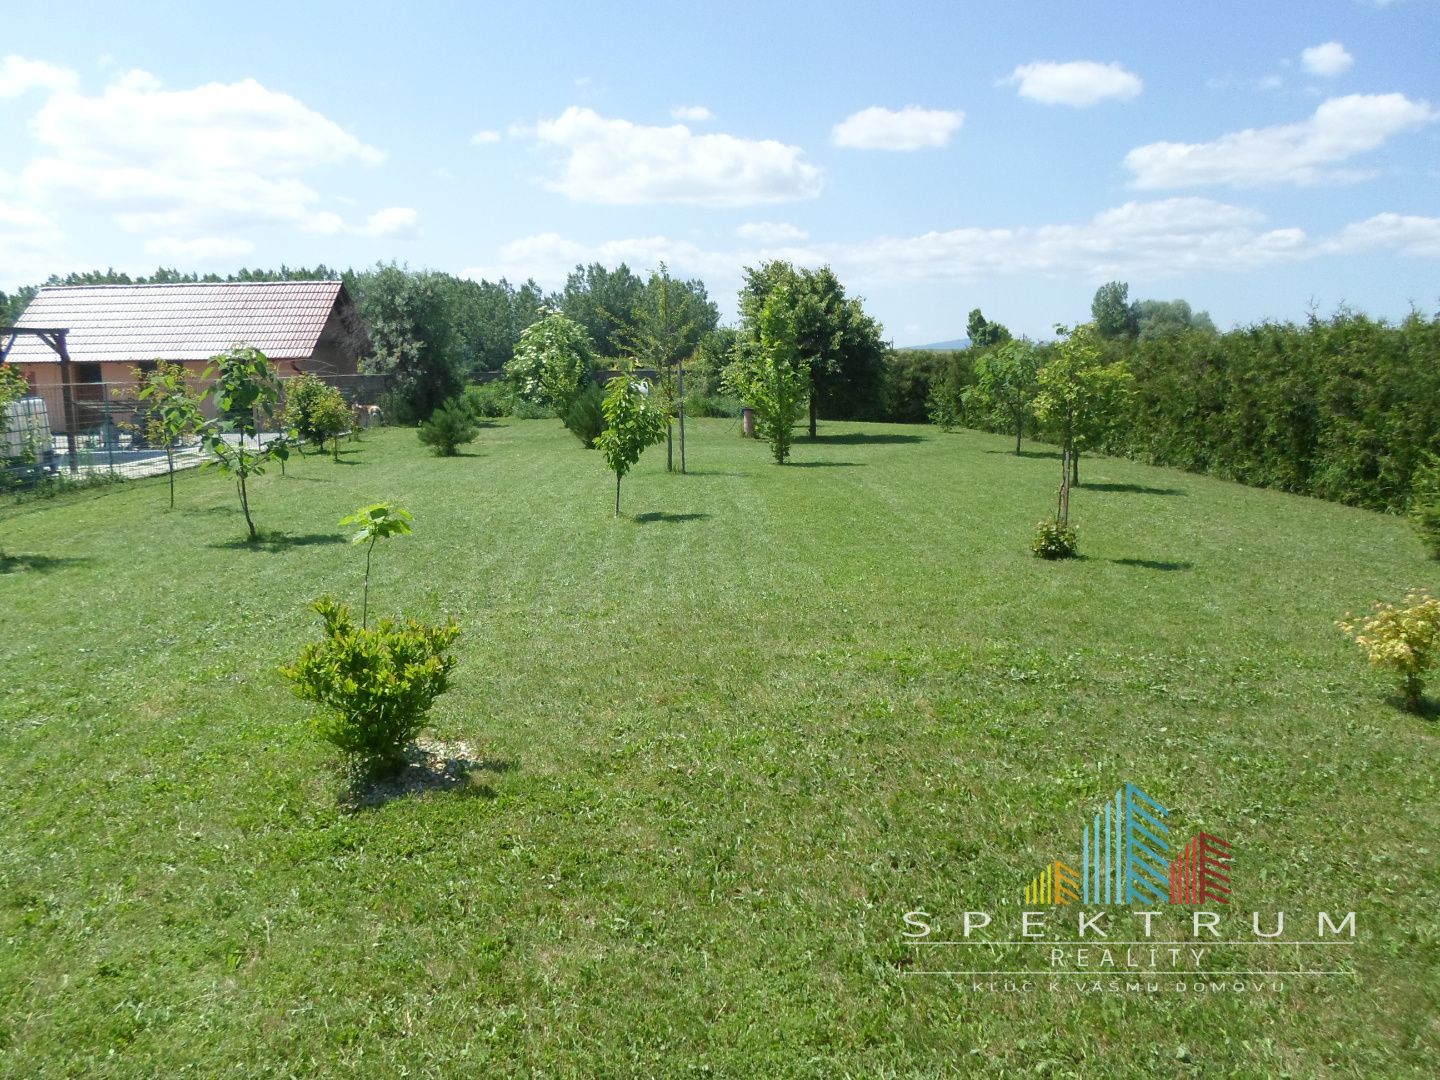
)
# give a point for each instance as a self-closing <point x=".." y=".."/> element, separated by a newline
<point x="669" y="447"/>
<point x="813" y="404"/>
<point x="682" y="418"/>
<point x="617" y="494"/>
<point x="1075" y="467"/>
<point x="170" y="460"/>
<point x="245" y="509"/>
<point x="1019" y="430"/>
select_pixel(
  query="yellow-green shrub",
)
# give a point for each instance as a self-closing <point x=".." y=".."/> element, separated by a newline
<point x="1402" y="639"/>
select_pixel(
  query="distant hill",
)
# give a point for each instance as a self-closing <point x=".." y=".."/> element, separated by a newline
<point x="940" y="346"/>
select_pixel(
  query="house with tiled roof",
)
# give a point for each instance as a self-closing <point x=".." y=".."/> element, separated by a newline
<point x="302" y="326"/>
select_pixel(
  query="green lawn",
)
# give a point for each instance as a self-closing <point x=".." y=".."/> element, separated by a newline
<point x="728" y="740"/>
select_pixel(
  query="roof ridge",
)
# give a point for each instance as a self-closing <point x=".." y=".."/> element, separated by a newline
<point x="192" y="284"/>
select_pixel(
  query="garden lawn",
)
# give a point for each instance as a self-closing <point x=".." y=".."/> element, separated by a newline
<point x="726" y="741"/>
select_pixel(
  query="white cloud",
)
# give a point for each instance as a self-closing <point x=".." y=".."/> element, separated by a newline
<point x="207" y="249"/>
<point x="19" y="75"/>
<point x="484" y="138"/>
<point x="694" y="114"/>
<point x="910" y="128"/>
<point x="29" y="243"/>
<point x="771" y="232"/>
<point x="1078" y="83"/>
<point x="1403" y="234"/>
<point x="1326" y="60"/>
<point x="393" y="222"/>
<point x="1302" y="153"/>
<point x="1150" y="239"/>
<point x="188" y="166"/>
<point x="621" y="163"/>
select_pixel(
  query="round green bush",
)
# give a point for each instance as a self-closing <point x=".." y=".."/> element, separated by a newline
<point x="1054" y="541"/>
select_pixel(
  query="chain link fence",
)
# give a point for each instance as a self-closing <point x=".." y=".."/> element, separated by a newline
<point x="108" y="432"/>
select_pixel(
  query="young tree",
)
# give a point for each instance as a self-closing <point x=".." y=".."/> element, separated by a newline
<point x="1006" y="383"/>
<point x="450" y="427"/>
<point x="331" y="418"/>
<point x="771" y="377"/>
<point x="246" y="387"/>
<point x="552" y="363"/>
<point x="172" y="410"/>
<point x="633" y="424"/>
<point x="666" y="328"/>
<point x="302" y="397"/>
<point x="376" y="522"/>
<point x="1079" y="395"/>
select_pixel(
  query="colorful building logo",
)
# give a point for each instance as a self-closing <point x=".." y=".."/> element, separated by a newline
<point x="1125" y="859"/>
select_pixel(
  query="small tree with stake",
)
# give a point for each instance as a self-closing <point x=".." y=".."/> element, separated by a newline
<point x="633" y="425"/>
<point x="246" y="386"/>
<point x="173" y="410"/>
<point x="376" y="522"/>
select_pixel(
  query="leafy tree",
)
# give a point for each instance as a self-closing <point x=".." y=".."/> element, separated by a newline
<point x="666" y="328"/>
<point x="303" y="395"/>
<point x="840" y="346"/>
<point x="1081" y="396"/>
<point x="246" y="387"/>
<point x="910" y="379"/>
<point x="1164" y="318"/>
<point x="1112" y="313"/>
<point x="450" y="427"/>
<point x="376" y="522"/>
<point x="411" y="316"/>
<point x="1006" y="382"/>
<point x="552" y="363"/>
<point x="1424" y="508"/>
<point x="983" y="333"/>
<point x="632" y="424"/>
<point x="331" y="418"/>
<point x="770" y="375"/>
<point x="603" y="302"/>
<point x="172" y="410"/>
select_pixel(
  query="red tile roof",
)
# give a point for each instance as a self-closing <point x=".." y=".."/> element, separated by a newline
<point x="128" y="323"/>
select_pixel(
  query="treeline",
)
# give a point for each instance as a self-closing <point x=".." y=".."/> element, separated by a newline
<point x="1345" y="409"/>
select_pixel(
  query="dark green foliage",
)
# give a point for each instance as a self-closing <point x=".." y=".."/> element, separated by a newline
<point x="909" y="375"/>
<point x="703" y="405"/>
<point x="983" y="333"/>
<point x="488" y="400"/>
<point x="415" y="336"/>
<point x="1344" y="409"/>
<point x="1112" y="313"/>
<point x="603" y="302"/>
<point x="1054" y="540"/>
<point x="586" y="418"/>
<point x="375" y="685"/>
<point x="840" y="346"/>
<point x="1425" y="504"/>
<point x="946" y="403"/>
<point x="450" y="427"/>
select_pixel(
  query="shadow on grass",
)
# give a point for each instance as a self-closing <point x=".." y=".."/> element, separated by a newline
<point x="1138" y="489"/>
<point x="1055" y="454"/>
<point x="274" y="541"/>
<point x="824" y="465"/>
<point x="430" y="765"/>
<point x="862" y="438"/>
<point x="1153" y="564"/>
<point x="1429" y="707"/>
<point x="39" y="564"/>
<point x="661" y="516"/>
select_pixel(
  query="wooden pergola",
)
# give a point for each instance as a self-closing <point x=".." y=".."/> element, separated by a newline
<point x="56" y="340"/>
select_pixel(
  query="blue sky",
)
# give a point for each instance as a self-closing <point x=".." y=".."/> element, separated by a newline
<point x="1259" y="160"/>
